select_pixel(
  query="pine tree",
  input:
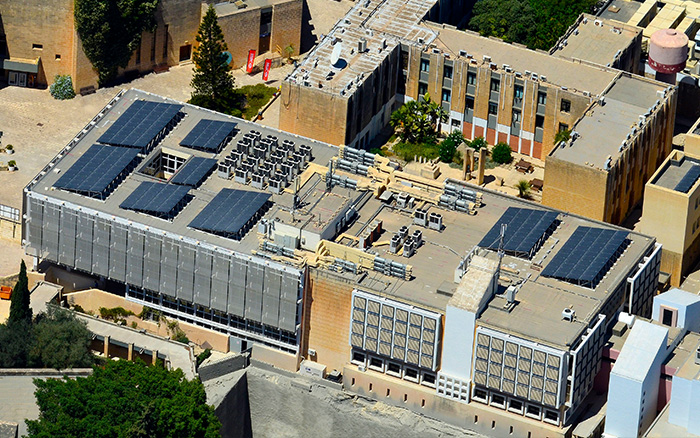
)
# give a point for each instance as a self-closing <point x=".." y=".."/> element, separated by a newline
<point x="213" y="82"/>
<point x="19" y="305"/>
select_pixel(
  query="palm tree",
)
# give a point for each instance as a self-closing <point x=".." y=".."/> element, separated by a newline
<point x="523" y="187"/>
<point x="435" y="111"/>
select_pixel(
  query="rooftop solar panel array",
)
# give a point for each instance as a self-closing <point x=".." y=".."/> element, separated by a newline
<point x="586" y="256"/>
<point x="209" y="135"/>
<point x="231" y="213"/>
<point x="194" y="171"/>
<point x="141" y="125"/>
<point x="98" y="171"/>
<point x="157" y="199"/>
<point x="525" y="229"/>
<point x="688" y="179"/>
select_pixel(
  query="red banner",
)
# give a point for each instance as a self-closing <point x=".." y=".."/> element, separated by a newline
<point x="266" y="69"/>
<point x="251" y="60"/>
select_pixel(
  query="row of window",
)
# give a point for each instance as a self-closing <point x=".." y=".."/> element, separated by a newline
<point x="394" y="369"/>
<point x="516" y="406"/>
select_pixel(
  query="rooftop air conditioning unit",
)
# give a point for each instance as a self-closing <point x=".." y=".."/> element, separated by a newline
<point x="463" y="53"/>
<point x="601" y="101"/>
<point x="421" y="41"/>
<point x="587" y="93"/>
<point x="436" y="51"/>
<point x="697" y="356"/>
<point x="543" y="78"/>
<point x="487" y="58"/>
<point x="568" y="314"/>
<point x="362" y="45"/>
<point x="598" y="23"/>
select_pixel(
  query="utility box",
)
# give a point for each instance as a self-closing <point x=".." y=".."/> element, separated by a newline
<point x="312" y="369"/>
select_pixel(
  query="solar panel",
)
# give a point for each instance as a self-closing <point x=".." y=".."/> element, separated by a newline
<point x="194" y="171"/>
<point x="231" y="213"/>
<point x="141" y="124"/>
<point x="688" y="179"/>
<point x="98" y="171"/>
<point x="157" y="199"/>
<point x="586" y="255"/>
<point x="525" y="229"/>
<point x="209" y="135"/>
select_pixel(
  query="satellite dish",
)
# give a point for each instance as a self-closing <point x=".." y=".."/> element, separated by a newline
<point x="335" y="56"/>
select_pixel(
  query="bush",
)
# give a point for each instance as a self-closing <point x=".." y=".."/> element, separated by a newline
<point x="62" y="87"/>
<point x="501" y="153"/>
<point x="204" y="355"/>
<point x="408" y="151"/>
<point x="12" y="163"/>
<point x="115" y="314"/>
<point x="477" y="143"/>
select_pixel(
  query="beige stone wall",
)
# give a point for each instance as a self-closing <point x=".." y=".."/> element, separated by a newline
<point x="286" y="26"/>
<point x="46" y="23"/>
<point x="311" y="113"/>
<point x="242" y="33"/>
<point x="575" y="188"/>
<point x="486" y="420"/>
<point x="276" y="358"/>
<point x="326" y="319"/>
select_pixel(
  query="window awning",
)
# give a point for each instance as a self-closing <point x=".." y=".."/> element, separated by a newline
<point x="23" y="65"/>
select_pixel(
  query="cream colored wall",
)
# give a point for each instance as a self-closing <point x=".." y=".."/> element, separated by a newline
<point x="575" y="188"/>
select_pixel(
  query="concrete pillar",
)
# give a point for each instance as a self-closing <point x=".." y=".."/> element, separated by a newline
<point x="154" y="357"/>
<point x="106" y="346"/>
<point x="482" y="166"/>
<point x="130" y="352"/>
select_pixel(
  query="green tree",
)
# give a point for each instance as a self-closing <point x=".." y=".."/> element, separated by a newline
<point x="19" y="305"/>
<point x="448" y="147"/>
<point x="477" y="143"/>
<point x="123" y="400"/>
<point x="60" y="341"/>
<point x="501" y="153"/>
<point x="523" y="187"/>
<point x="62" y="87"/>
<point x="562" y="136"/>
<point x="15" y="343"/>
<point x="110" y="31"/>
<point x="213" y="83"/>
<point x="435" y="111"/>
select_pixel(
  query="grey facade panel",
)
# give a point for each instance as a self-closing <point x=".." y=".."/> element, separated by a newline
<point x="202" y="277"/>
<point x="236" y="287"/>
<point x="100" y="247"/>
<point x="152" y="262"/>
<point x="288" y="315"/>
<point x="83" y="243"/>
<point x="185" y="274"/>
<point x="168" y="267"/>
<point x="117" y="252"/>
<point x="254" y="291"/>
<point x="50" y="234"/>
<point x="271" y="297"/>
<point x="66" y="247"/>
<point x="290" y="287"/>
<point x="219" y="282"/>
<point x="134" y="257"/>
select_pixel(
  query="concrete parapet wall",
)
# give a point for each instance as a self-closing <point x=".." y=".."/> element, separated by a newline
<point x="217" y="368"/>
<point x="276" y="358"/>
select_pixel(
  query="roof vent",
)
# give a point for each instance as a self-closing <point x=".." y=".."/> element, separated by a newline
<point x="463" y="53"/>
<point x="487" y="58"/>
<point x="568" y="314"/>
<point x="601" y="101"/>
<point x="421" y="41"/>
<point x="362" y="45"/>
<point x="598" y="23"/>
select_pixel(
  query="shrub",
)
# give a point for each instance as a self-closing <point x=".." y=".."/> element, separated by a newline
<point x="477" y="143"/>
<point x="12" y="163"/>
<point x="115" y="314"/>
<point x="501" y="153"/>
<point x="408" y="151"/>
<point x="62" y="87"/>
<point x="9" y="147"/>
<point x="204" y="355"/>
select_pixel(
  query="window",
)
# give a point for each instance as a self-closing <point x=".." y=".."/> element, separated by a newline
<point x="411" y="374"/>
<point x="518" y="94"/>
<point x="394" y="369"/>
<point x="422" y="88"/>
<point x="516" y="116"/>
<point x="446" y="95"/>
<point x="498" y="400"/>
<point x="493" y="108"/>
<point x="404" y="59"/>
<point x="565" y="105"/>
<point x="58" y="57"/>
<point x="138" y="53"/>
<point x="551" y="417"/>
<point x="447" y="72"/>
<point x="533" y="411"/>
<point x="37" y="46"/>
<point x="668" y="316"/>
<point x="428" y="379"/>
<point x="480" y="394"/>
<point x="424" y="65"/>
<point x="471" y="78"/>
<point x="541" y="98"/>
<point x="470" y="103"/>
<point x="153" y="48"/>
<point x="563" y="127"/>
<point x="165" y="44"/>
<point x="358" y="358"/>
<point x="495" y="85"/>
<point x="539" y="121"/>
<point x="515" y="406"/>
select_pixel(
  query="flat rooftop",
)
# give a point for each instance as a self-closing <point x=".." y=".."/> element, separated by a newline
<point x="641" y="348"/>
<point x="621" y="10"/>
<point x="540" y="299"/>
<point x="231" y="7"/>
<point x="598" y="43"/>
<point x="558" y="71"/>
<point x="382" y="24"/>
<point x="679" y="175"/>
<point x="604" y="128"/>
